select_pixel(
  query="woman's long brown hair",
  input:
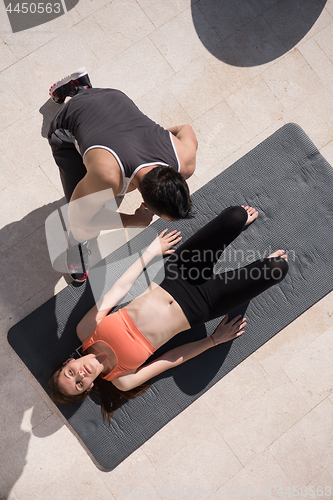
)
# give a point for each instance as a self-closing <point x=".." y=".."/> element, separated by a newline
<point x="111" y="397"/>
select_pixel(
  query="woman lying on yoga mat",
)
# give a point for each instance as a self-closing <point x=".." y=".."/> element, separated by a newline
<point x="116" y="345"/>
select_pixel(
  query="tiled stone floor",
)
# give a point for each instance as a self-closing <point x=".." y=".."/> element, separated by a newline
<point x="268" y="424"/>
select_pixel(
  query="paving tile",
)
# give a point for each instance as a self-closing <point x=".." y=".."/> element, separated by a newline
<point x="30" y="214"/>
<point x="289" y="342"/>
<point x="176" y="435"/>
<point x="12" y="108"/>
<point x="228" y="18"/>
<point x="198" y="469"/>
<point x="315" y="116"/>
<point x="197" y="88"/>
<point x="10" y="362"/>
<point x="161" y="12"/>
<point x="324" y="20"/>
<point x="144" y="490"/>
<point x="45" y="294"/>
<point x="255" y="105"/>
<point x="5" y="492"/>
<point x="220" y="133"/>
<point x="104" y="43"/>
<point x="324" y="40"/>
<point x="19" y="162"/>
<point x="327" y="152"/>
<point x="254" y="45"/>
<point x="22" y="412"/>
<point x="162" y="107"/>
<point x="268" y="411"/>
<point x="126" y="18"/>
<point x="128" y="475"/>
<point x="202" y="177"/>
<point x="9" y="319"/>
<point x="25" y="42"/>
<point x="76" y="484"/>
<point x="233" y="77"/>
<point x="4" y="181"/>
<point x="4" y="20"/>
<point x="44" y="397"/>
<point x="307" y="367"/>
<point x="320" y="487"/>
<point x="35" y="90"/>
<point x="292" y="79"/>
<point x="178" y="40"/>
<point x="140" y="82"/>
<point x="41" y="457"/>
<point x="306" y="449"/>
<point x="47" y="70"/>
<point x="114" y="28"/>
<point x="261" y="477"/>
<point x="31" y="133"/>
<point x="50" y="169"/>
<point x="330" y="469"/>
<point x="269" y="3"/>
<point x="33" y="274"/>
<point x="85" y="9"/>
<point x="228" y="161"/>
<point x="7" y="57"/>
<point x="294" y="21"/>
<point x="328" y="6"/>
<point x="317" y="59"/>
<point x="235" y="386"/>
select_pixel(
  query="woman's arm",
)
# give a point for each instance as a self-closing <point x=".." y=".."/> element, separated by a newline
<point x="160" y="246"/>
<point x="224" y="332"/>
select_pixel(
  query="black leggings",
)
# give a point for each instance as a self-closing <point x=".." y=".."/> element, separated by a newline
<point x="69" y="161"/>
<point x="203" y="295"/>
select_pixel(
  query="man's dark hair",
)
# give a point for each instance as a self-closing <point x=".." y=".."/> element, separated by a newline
<point x="165" y="192"/>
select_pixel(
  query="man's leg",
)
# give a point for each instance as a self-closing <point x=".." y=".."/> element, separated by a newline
<point x="70" y="164"/>
<point x="72" y="170"/>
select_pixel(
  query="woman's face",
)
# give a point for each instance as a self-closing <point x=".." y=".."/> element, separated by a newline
<point x="77" y="375"/>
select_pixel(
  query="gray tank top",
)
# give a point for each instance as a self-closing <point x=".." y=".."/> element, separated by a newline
<point x="108" y="119"/>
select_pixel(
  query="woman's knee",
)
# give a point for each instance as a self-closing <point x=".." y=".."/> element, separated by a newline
<point x="237" y="216"/>
<point x="278" y="268"/>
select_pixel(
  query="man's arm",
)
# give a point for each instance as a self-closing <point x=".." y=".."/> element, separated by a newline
<point x="86" y="212"/>
<point x="186" y="145"/>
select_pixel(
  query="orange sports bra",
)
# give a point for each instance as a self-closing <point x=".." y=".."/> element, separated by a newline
<point x="129" y="345"/>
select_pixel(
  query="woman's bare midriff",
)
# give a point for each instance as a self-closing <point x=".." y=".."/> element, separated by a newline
<point x="157" y="315"/>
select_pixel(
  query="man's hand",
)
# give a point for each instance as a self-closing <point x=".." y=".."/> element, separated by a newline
<point x="143" y="216"/>
<point x="229" y="331"/>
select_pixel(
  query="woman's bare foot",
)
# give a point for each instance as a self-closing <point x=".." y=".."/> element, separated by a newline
<point x="278" y="253"/>
<point x="252" y="214"/>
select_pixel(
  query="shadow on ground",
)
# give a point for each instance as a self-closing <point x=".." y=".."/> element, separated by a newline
<point x="253" y="32"/>
<point x="24" y="268"/>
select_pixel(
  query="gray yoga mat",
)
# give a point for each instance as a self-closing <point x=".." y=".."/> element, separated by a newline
<point x="291" y="185"/>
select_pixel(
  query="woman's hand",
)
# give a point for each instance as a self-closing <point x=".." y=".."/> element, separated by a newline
<point x="229" y="331"/>
<point x="162" y="244"/>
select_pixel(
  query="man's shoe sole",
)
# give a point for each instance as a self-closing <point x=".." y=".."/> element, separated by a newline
<point x="74" y="76"/>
